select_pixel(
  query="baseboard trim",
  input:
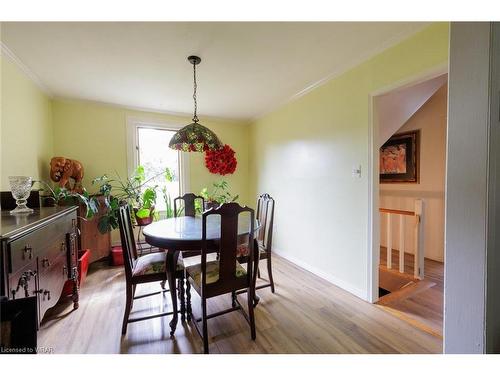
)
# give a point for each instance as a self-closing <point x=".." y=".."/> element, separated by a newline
<point x="325" y="276"/>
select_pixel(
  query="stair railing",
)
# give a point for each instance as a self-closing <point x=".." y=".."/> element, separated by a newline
<point x="418" y="269"/>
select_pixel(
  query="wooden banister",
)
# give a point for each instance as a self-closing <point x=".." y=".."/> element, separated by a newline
<point x="419" y="253"/>
<point x="397" y="212"/>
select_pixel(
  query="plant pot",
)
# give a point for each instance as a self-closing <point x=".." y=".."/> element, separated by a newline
<point x="211" y="204"/>
<point x="117" y="256"/>
<point x="145" y="220"/>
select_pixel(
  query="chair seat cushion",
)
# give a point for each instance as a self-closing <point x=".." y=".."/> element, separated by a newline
<point x="152" y="263"/>
<point x="193" y="260"/>
<point x="242" y="250"/>
<point x="212" y="272"/>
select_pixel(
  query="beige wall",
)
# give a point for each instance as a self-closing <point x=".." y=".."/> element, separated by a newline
<point x="303" y="155"/>
<point x="26" y="126"/>
<point x="431" y="119"/>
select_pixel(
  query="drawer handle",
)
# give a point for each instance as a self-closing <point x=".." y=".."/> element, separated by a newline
<point x="28" y="249"/>
<point x="23" y="283"/>
<point x="45" y="262"/>
<point x="63" y="246"/>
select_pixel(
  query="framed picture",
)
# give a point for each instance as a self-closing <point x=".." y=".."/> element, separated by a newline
<point x="399" y="158"/>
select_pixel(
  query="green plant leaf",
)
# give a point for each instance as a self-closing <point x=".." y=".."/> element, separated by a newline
<point x="143" y="213"/>
<point x="103" y="225"/>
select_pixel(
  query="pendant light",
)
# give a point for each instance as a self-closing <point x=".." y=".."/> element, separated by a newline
<point x="195" y="137"/>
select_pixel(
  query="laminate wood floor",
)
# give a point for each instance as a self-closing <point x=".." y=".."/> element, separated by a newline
<point x="305" y="315"/>
<point x="420" y="304"/>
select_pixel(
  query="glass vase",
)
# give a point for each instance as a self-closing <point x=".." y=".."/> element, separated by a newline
<point x="21" y="190"/>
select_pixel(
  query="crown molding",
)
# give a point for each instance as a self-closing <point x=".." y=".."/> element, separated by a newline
<point x="339" y="71"/>
<point x="5" y="51"/>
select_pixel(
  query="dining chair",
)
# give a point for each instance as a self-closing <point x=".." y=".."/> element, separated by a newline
<point x="189" y="204"/>
<point x="141" y="269"/>
<point x="224" y="275"/>
<point x="265" y="217"/>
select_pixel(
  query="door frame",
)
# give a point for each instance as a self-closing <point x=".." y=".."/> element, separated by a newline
<point x="373" y="248"/>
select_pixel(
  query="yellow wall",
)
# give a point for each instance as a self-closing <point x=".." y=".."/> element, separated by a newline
<point x="26" y="126"/>
<point x="304" y="152"/>
<point x="95" y="134"/>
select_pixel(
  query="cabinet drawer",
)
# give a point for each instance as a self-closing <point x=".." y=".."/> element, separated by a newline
<point x="54" y="249"/>
<point x="24" y="282"/>
<point x="45" y="239"/>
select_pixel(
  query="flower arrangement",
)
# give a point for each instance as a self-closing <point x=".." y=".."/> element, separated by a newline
<point x="221" y="161"/>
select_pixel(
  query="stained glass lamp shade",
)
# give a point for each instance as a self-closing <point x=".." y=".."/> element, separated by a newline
<point x="195" y="137"/>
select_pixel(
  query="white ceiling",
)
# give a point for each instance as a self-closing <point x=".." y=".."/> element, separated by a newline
<point x="247" y="69"/>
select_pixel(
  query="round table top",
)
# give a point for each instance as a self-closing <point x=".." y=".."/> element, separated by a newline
<point x="187" y="230"/>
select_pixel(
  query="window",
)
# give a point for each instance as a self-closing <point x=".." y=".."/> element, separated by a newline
<point x="148" y="146"/>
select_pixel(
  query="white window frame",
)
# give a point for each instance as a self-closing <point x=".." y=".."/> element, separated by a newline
<point x="133" y="124"/>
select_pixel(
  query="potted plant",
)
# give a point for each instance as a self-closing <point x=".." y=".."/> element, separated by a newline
<point x="62" y="196"/>
<point x="218" y="195"/>
<point x="134" y="190"/>
<point x="144" y="211"/>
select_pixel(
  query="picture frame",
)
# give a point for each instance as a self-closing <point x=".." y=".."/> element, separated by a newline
<point x="399" y="158"/>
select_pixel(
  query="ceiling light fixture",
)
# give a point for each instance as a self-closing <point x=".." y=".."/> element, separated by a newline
<point x="195" y="137"/>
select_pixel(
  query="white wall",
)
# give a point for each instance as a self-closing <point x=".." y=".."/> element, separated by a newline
<point x="431" y="119"/>
<point x="467" y="187"/>
<point x="493" y="253"/>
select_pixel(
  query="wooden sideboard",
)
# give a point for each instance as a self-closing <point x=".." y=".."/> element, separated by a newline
<point x="90" y="237"/>
<point x="39" y="255"/>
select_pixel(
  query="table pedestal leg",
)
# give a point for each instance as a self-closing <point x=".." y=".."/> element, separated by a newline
<point x="172" y="257"/>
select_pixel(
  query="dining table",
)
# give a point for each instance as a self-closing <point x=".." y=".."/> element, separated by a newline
<point x="181" y="234"/>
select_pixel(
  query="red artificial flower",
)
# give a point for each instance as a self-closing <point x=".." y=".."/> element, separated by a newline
<point x="221" y="161"/>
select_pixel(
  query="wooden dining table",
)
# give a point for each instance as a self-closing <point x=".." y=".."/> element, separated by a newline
<point x="184" y="234"/>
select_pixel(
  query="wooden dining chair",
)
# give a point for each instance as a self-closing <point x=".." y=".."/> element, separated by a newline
<point x="225" y="275"/>
<point x="189" y="204"/>
<point x="265" y="216"/>
<point x="139" y="270"/>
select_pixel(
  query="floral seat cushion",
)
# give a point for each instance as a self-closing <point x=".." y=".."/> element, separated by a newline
<point x="212" y="272"/>
<point x="152" y="263"/>
<point x="242" y="250"/>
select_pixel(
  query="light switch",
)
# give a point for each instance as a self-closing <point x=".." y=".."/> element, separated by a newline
<point x="356" y="171"/>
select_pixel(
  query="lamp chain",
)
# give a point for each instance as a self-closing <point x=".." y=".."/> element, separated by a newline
<point x="195" y="86"/>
